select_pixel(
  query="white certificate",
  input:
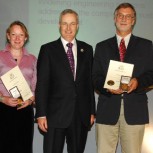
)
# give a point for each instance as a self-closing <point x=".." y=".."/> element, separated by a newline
<point x="115" y="71"/>
<point x="14" y="78"/>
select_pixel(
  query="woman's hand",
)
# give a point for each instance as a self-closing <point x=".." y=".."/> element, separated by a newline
<point x="25" y="104"/>
<point x="9" y="101"/>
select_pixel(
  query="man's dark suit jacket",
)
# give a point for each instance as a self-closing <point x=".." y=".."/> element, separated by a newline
<point x="140" y="53"/>
<point x="57" y="94"/>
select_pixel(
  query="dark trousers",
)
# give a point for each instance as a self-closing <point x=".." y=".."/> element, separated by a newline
<point x="75" y="136"/>
<point x="16" y="129"/>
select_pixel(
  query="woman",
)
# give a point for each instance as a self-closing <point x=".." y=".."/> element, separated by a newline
<point x="16" y="124"/>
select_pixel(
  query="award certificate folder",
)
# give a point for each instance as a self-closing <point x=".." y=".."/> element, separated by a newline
<point x="15" y="79"/>
<point x="115" y="72"/>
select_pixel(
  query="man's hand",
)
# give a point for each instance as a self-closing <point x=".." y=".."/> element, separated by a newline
<point x="118" y="91"/>
<point x="42" y="123"/>
<point x="92" y="119"/>
<point x="132" y="85"/>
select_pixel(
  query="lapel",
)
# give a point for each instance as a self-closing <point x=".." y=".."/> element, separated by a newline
<point x="114" y="51"/>
<point x="130" y="47"/>
<point x="80" y="58"/>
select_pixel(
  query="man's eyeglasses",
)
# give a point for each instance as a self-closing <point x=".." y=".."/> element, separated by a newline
<point x="127" y="17"/>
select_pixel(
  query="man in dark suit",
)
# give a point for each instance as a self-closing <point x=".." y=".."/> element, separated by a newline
<point x="123" y="115"/>
<point x="65" y="104"/>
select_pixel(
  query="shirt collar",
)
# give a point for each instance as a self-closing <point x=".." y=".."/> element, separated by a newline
<point x="126" y="39"/>
<point x="64" y="42"/>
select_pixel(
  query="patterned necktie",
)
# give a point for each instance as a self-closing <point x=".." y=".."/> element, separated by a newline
<point x="122" y="49"/>
<point x="70" y="57"/>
